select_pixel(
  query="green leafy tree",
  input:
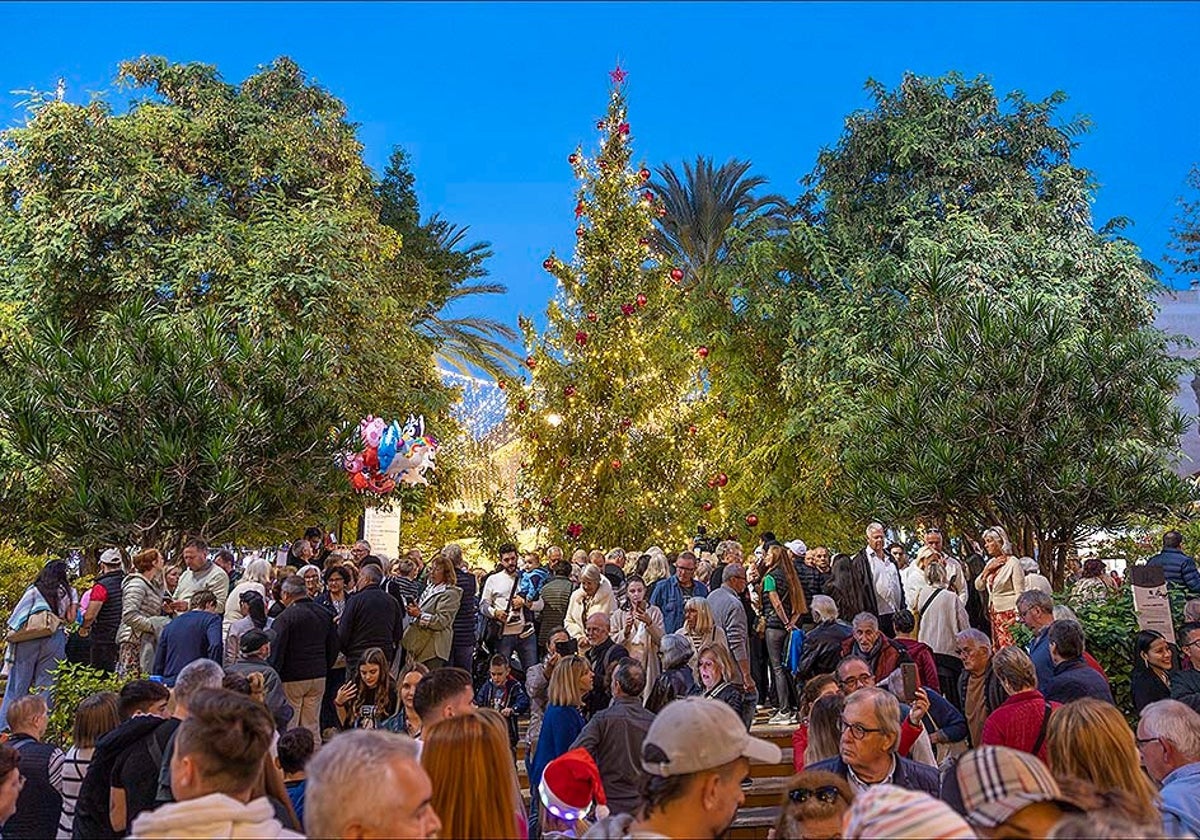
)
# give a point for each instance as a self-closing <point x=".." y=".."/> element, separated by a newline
<point x="172" y="425"/>
<point x="942" y="180"/>
<point x="605" y="420"/>
<point x="1051" y="428"/>
<point x="1185" y="235"/>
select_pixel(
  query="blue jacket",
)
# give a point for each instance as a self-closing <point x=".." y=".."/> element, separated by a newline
<point x="194" y="635"/>
<point x="947" y="718"/>
<point x="1178" y="568"/>
<point x="910" y="775"/>
<point x="1181" y="801"/>
<point x="669" y="598"/>
<point x="561" y="725"/>
<point x="1074" y="679"/>
<point x="1039" y="652"/>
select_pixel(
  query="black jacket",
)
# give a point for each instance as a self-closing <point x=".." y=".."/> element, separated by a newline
<point x="601" y="658"/>
<point x="108" y="620"/>
<point x="92" y="809"/>
<point x="822" y="649"/>
<point x="864" y="582"/>
<point x="39" y="805"/>
<point x="306" y="642"/>
<point x="371" y="619"/>
<point x="468" y="609"/>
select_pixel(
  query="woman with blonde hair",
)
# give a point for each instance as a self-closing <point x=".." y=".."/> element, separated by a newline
<point x="143" y="596"/>
<point x="657" y="569"/>
<point x="720" y="676"/>
<point x="700" y="629"/>
<point x="563" y="720"/>
<point x="1089" y="739"/>
<point x="1003" y="580"/>
<point x="471" y="770"/>
<point x="256" y="578"/>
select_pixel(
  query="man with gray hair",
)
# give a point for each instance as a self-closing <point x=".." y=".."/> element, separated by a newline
<point x="822" y="648"/>
<point x="863" y="565"/>
<point x="979" y="689"/>
<point x="870" y="727"/>
<point x="1168" y="738"/>
<point x="370" y="619"/>
<point x="614" y="737"/>
<point x="725" y="603"/>
<point x="369" y="783"/>
<point x="360" y="551"/>
<point x="305" y="648"/>
<point x="195" y="677"/>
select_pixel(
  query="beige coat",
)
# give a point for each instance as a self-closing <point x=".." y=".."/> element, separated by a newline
<point x="432" y="635"/>
<point x="1005" y="587"/>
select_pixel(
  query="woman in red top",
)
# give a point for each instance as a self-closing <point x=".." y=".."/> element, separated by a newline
<point x="1020" y="721"/>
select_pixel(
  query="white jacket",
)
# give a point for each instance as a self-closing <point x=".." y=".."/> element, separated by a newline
<point x="603" y="601"/>
<point x="943" y="619"/>
<point x="212" y="816"/>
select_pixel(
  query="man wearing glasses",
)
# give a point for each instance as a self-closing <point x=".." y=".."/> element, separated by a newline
<point x="1168" y="739"/>
<point x="670" y="594"/>
<point x="1185" y="684"/>
<point x="870" y="735"/>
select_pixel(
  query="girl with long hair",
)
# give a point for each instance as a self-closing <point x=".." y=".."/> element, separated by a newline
<point x="1089" y="739"/>
<point x="1003" y="580"/>
<point x="784" y="604"/>
<point x="254" y="617"/>
<point x="1153" y="661"/>
<point x="563" y="721"/>
<point x="471" y="769"/>
<point x="842" y="588"/>
<point x="96" y="716"/>
<point x="406" y="720"/>
<point x="701" y="630"/>
<point x="370" y="698"/>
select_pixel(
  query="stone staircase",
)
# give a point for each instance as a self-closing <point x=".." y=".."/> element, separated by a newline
<point x="763" y="793"/>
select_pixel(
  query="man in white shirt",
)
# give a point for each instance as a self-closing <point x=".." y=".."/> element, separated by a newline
<point x="955" y="572"/>
<point x="889" y="592"/>
<point x="500" y="602"/>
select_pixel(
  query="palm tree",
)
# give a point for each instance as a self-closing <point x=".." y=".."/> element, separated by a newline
<point x="706" y="205"/>
<point x="466" y="342"/>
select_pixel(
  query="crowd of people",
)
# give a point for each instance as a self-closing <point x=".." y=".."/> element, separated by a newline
<point x="344" y="694"/>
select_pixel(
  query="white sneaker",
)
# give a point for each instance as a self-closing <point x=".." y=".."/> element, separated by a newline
<point x="779" y="718"/>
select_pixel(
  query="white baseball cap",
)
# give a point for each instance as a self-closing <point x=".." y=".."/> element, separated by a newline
<point x="797" y="547"/>
<point x="699" y="733"/>
<point x="111" y="557"/>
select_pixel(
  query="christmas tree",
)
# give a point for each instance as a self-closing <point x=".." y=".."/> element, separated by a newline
<point x="607" y="418"/>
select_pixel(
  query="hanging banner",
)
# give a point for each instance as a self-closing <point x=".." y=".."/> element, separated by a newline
<point x="1150" y="600"/>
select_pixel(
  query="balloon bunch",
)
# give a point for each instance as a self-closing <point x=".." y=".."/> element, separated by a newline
<point x="390" y="454"/>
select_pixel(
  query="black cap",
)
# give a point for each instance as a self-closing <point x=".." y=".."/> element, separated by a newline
<point x="254" y="640"/>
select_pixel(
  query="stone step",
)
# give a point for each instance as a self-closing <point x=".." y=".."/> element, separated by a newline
<point x="753" y="823"/>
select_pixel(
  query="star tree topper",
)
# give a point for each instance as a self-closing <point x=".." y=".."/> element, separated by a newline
<point x="618" y="75"/>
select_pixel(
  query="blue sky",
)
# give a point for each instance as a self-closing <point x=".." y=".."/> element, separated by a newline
<point x="490" y="99"/>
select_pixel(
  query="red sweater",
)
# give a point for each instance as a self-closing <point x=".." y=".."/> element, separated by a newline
<point x="1017" y="721"/>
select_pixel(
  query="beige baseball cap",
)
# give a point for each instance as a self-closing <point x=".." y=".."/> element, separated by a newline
<point x="697" y="734"/>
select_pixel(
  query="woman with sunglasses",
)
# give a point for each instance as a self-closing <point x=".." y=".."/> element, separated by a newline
<point x="813" y="805"/>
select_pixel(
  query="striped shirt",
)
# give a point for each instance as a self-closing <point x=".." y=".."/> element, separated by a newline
<point x="74" y="768"/>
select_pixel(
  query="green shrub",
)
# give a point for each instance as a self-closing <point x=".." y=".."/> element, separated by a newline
<point x="72" y="684"/>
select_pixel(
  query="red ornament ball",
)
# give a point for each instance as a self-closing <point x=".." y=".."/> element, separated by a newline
<point x="627" y="309"/>
<point x="593" y="317"/>
<point x="548" y="263"/>
<point x="752" y="520"/>
<point x="569" y="391"/>
<point x="702" y="352"/>
<point x="600" y="125"/>
<point x="644" y="174"/>
<point x="545" y="501"/>
<point x="644" y="242"/>
<point x="676" y="274"/>
<point x="581" y="338"/>
<point x="522" y="406"/>
<point x="641" y="300"/>
<point x="530" y="362"/>
<point x="603" y="165"/>
<point x="722" y="480"/>
<point x="692" y="430"/>
<point x="648" y="195"/>
<point x="707" y="506"/>
<point x="572" y="158"/>
<point x="579" y="208"/>
<point x="623" y="128"/>
<point x="626" y="422"/>
<point x="580" y="231"/>
<point x="662" y="211"/>
<point x="616" y="463"/>
<point x="501" y="385"/>
<point x="712" y="482"/>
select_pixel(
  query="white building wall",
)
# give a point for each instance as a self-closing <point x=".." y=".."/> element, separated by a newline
<point x="1180" y="315"/>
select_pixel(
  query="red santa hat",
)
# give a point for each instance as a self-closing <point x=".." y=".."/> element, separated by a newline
<point x="571" y="784"/>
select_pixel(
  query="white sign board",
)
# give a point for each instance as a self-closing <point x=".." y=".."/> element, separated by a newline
<point x="381" y="528"/>
<point x="1150" y="600"/>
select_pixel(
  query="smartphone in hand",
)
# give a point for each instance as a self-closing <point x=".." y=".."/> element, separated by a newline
<point x="910" y="681"/>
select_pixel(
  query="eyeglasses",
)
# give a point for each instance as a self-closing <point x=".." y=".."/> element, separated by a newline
<point x="856" y="682"/>
<point x="1141" y="742"/>
<point x="857" y="730"/>
<point x="1189" y="644"/>
<point x="826" y="793"/>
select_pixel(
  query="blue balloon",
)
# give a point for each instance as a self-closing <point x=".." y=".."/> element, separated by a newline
<point x="387" y="448"/>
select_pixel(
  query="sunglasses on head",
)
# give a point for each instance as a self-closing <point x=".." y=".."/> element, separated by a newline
<point x="826" y="794"/>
